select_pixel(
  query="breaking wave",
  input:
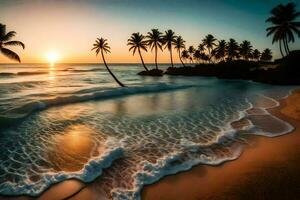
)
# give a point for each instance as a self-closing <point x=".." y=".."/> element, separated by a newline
<point x="17" y="113"/>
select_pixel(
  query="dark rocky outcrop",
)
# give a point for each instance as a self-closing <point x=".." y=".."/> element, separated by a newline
<point x="281" y="72"/>
<point x="152" y="72"/>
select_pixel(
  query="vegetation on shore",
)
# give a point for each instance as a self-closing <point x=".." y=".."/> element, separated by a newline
<point x="101" y="46"/>
<point x="212" y="57"/>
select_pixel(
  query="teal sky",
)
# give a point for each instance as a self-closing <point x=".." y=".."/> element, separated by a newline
<point x="76" y="23"/>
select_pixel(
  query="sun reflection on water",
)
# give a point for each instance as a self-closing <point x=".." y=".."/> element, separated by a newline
<point x="73" y="147"/>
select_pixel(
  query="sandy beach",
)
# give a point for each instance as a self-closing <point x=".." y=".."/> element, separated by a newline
<point x="267" y="169"/>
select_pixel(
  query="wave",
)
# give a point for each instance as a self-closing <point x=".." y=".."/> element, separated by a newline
<point x="7" y="74"/>
<point x="88" y="173"/>
<point x="4" y="74"/>
<point x="227" y="146"/>
<point x="85" y="70"/>
<point x="18" y="113"/>
<point x="31" y="73"/>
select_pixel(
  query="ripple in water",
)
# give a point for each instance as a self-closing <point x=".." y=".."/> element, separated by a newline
<point x="126" y="151"/>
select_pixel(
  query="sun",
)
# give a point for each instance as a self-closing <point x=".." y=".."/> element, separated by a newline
<point x="52" y="57"/>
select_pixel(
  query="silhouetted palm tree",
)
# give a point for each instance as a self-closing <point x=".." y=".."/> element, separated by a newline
<point x="266" y="55"/>
<point x="101" y="45"/>
<point x="197" y="56"/>
<point x="205" y="57"/>
<point x="284" y="25"/>
<point x="185" y="55"/>
<point x="245" y="49"/>
<point x="256" y="54"/>
<point x="155" y="41"/>
<point x="179" y="45"/>
<point x="220" y="50"/>
<point x="232" y="49"/>
<point x="209" y="42"/>
<point x="5" y="41"/>
<point x="169" y="40"/>
<point x="137" y="42"/>
<point x="191" y="50"/>
<point x="201" y="47"/>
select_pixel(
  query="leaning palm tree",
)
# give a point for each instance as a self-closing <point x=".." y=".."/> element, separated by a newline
<point x="220" y="50"/>
<point x="266" y="55"/>
<point x="137" y="42"/>
<point x="245" y="49"/>
<point x="232" y="49"/>
<point x="101" y="45"/>
<point x="209" y="42"/>
<point x="169" y="40"/>
<point x="179" y="45"/>
<point x="185" y="55"/>
<point x="256" y="54"/>
<point x="155" y="41"/>
<point x="5" y="41"/>
<point x="284" y="25"/>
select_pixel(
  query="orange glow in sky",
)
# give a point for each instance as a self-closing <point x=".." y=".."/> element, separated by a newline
<point x="71" y="27"/>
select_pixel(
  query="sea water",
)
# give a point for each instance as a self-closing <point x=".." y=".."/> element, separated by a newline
<point x="73" y="121"/>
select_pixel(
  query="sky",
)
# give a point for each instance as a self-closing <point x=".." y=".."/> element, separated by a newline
<point x="69" y="28"/>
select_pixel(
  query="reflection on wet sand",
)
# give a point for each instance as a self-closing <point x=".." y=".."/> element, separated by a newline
<point x="74" y="147"/>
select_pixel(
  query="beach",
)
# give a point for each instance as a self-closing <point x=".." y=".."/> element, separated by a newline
<point x="79" y="140"/>
<point x="267" y="169"/>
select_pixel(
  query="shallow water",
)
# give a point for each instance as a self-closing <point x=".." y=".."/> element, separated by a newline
<point x="72" y="121"/>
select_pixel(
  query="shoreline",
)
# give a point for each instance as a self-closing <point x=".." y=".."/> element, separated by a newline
<point x="189" y="184"/>
<point x="267" y="168"/>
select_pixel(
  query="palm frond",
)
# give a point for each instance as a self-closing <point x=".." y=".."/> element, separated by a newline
<point x="10" y="54"/>
<point x="14" y="43"/>
<point x="8" y="36"/>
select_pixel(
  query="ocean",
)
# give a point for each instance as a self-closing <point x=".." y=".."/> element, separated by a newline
<point x="72" y="121"/>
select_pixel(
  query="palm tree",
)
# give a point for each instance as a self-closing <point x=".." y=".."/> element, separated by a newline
<point x="179" y="44"/>
<point x="169" y="40"/>
<point x="209" y="42"/>
<point x="256" y="54"/>
<point x="245" y="49"/>
<point x="204" y="57"/>
<point x="137" y="42"/>
<point x="101" y="45"/>
<point x="191" y="50"/>
<point x="5" y="40"/>
<point x="220" y="50"/>
<point x="155" y="41"/>
<point x="197" y="55"/>
<point x="266" y="55"/>
<point x="284" y="25"/>
<point x="201" y="47"/>
<point x="232" y="49"/>
<point x="185" y="55"/>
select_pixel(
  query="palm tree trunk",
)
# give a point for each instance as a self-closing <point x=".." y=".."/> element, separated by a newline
<point x="156" y="57"/>
<point x="171" y="57"/>
<point x="121" y="84"/>
<point x="209" y="55"/>
<point x="286" y="46"/>
<point x="280" y="47"/>
<point x="285" y="49"/>
<point x="142" y="59"/>
<point x="179" y="53"/>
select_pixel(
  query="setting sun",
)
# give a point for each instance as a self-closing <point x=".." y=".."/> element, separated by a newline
<point x="52" y="57"/>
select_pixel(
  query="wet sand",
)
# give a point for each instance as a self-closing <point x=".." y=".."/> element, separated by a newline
<point x="267" y="169"/>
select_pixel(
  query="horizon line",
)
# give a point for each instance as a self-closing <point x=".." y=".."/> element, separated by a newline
<point x="91" y="63"/>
